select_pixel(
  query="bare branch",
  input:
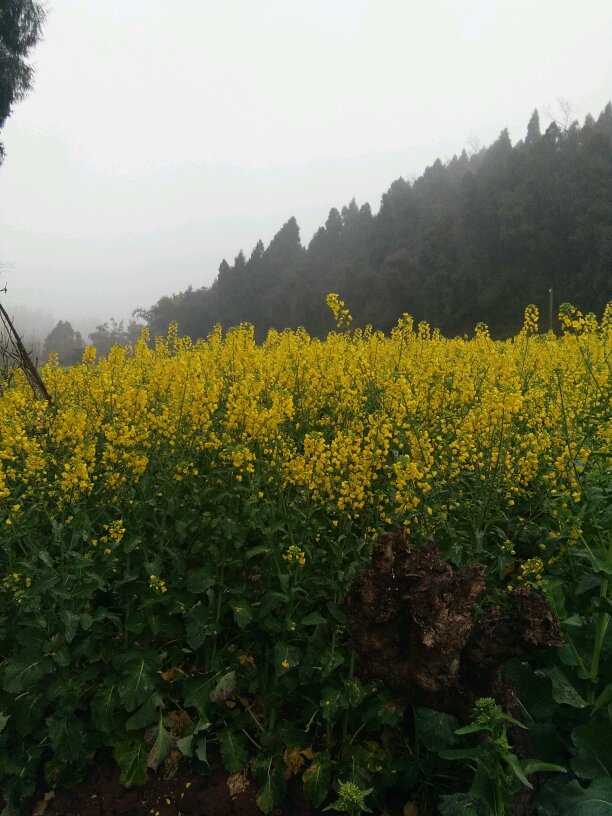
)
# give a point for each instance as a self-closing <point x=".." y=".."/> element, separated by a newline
<point x="16" y="352"/>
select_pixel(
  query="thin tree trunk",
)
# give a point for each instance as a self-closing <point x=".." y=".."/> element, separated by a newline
<point x="34" y="378"/>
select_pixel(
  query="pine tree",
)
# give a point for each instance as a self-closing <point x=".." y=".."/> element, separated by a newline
<point x="20" y="28"/>
<point x="533" y="129"/>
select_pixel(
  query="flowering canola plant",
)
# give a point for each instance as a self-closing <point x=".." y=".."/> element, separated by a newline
<point x="374" y="429"/>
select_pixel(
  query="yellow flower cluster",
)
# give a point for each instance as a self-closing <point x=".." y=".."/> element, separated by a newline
<point x="157" y="584"/>
<point x="341" y="314"/>
<point x="385" y="430"/>
<point x="295" y="554"/>
<point x="14" y="582"/>
<point x="531" y="321"/>
<point x="113" y="532"/>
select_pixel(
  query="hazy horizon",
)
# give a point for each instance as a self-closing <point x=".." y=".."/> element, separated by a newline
<point x="160" y="139"/>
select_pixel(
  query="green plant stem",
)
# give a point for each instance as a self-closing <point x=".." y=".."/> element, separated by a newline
<point x="566" y="433"/>
<point x="346" y="714"/>
<point x="213" y="652"/>
<point x="127" y="604"/>
<point x="575" y="653"/>
<point x="272" y="719"/>
<point x="250" y="738"/>
<point x="600" y="631"/>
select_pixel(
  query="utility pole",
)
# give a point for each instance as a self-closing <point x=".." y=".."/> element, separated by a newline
<point x="550" y="309"/>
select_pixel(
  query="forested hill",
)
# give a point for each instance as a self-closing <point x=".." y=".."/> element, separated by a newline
<point x="475" y="239"/>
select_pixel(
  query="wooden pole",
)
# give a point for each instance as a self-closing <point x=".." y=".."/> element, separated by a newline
<point x="550" y="309"/>
<point x="27" y="365"/>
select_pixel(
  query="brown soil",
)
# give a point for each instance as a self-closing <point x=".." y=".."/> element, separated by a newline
<point x="188" y="793"/>
<point x="413" y="622"/>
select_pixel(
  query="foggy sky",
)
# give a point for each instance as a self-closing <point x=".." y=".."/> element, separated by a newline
<point x="162" y="136"/>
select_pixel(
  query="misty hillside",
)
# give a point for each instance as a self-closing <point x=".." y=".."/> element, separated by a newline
<point x="475" y="239"/>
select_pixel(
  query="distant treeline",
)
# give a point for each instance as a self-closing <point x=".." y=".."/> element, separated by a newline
<point x="472" y="240"/>
<point x="475" y="239"/>
<point x="69" y="345"/>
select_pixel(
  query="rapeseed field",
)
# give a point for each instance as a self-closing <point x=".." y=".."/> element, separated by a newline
<point x="179" y="527"/>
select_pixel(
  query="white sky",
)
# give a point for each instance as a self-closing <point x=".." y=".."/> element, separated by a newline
<point x="164" y="135"/>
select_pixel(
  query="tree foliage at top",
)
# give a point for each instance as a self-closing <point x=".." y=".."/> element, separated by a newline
<point x="20" y="28"/>
<point x="473" y="239"/>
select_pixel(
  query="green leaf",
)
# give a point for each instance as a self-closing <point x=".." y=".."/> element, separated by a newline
<point x="337" y="613"/>
<point x="390" y="712"/>
<point x="313" y="619"/>
<point x="593" y="758"/>
<point x="574" y="800"/>
<point x="604" y="698"/>
<point x="575" y="620"/>
<point x="259" y="550"/>
<point x="86" y="621"/>
<point x="24" y="670"/>
<point x="71" y="623"/>
<point x="136" y="684"/>
<point x="185" y="745"/>
<point x="533" y="690"/>
<point x="530" y="766"/>
<point x="131" y="756"/>
<point x="516" y="768"/>
<point x="61" y="656"/>
<point x="518" y="723"/>
<point x="602" y="604"/>
<point x="131" y="544"/>
<point x="198" y="621"/>
<point x="10" y="809"/>
<point x="28" y="712"/>
<point x="242" y="612"/>
<point x="464" y="753"/>
<point x="354" y="691"/>
<point x="563" y="691"/>
<point x="202" y="751"/>
<point x="146" y="714"/>
<point x="548" y="742"/>
<point x="161" y="747"/>
<point x="270" y="601"/>
<point x="587" y="583"/>
<point x="483" y="790"/>
<point x="199" y="581"/>
<point x="196" y="692"/>
<point x="265" y="798"/>
<point x="457" y="804"/>
<point x="472" y="728"/>
<point x="316" y="779"/>
<point x="224" y="689"/>
<point x="3" y="722"/>
<point x="333" y="701"/>
<point x="66" y="734"/>
<point x="46" y="559"/>
<point x="603" y="565"/>
<point x="202" y="725"/>
<point x="285" y="657"/>
<point x="233" y="751"/>
<point x="435" y="729"/>
<point x="103" y="705"/>
<point x="273" y="786"/>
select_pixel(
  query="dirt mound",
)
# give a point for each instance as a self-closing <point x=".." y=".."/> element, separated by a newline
<point x="413" y="622"/>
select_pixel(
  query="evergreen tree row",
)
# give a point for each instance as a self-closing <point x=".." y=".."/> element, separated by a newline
<point x="475" y="239"/>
